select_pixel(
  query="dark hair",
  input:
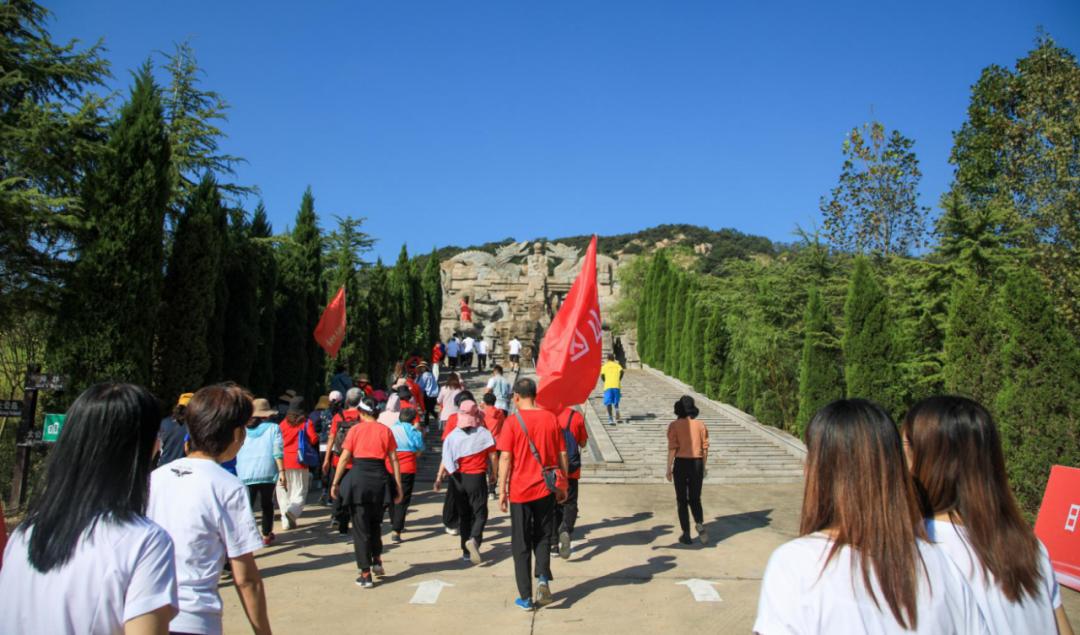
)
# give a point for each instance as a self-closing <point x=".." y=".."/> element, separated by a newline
<point x="178" y="413"/>
<point x="453" y="382"/>
<point x="99" y="467"/>
<point x="403" y="392"/>
<point x="408" y="415"/>
<point x="370" y="403"/>
<point x="489" y="399"/>
<point x="611" y="357"/>
<point x="959" y="468"/>
<point x="339" y="368"/>
<point x="685" y="408"/>
<point x="213" y="414"/>
<point x="525" y="388"/>
<point x="497" y="369"/>
<point x="463" y="396"/>
<point x="858" y="486"/>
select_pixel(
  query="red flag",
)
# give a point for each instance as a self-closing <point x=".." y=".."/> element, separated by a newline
<point x="569" y="360"/>
<point x="330" y="332"/>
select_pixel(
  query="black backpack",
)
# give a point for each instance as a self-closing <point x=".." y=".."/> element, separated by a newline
<point x="343" y="429"/>
<point x="573" y="451"/>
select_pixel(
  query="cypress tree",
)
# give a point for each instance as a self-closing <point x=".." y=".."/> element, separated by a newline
<point x="345" y="246"/>
<point x="108" y="315"/>
<point x="190" y="295"/>
<point x="676" y="307"/>
<point x="215" y="334"/>
<point x="686" y="333"/>
<point x="380" y="315"/>
<point x="971" y="362"/>
<point x="241" y="334"/>
<point x="1038" y="406"/>
<point x="431" y="284"/>
<point x="659" y="330"/>
<point x="715" y="353"/>
<point x="821" y="378"/>
<point x="868" y="344"/>
<point x="697" y="362"/>
<point x="308" y="239"/>
<point x="265" y="280"/>
<point x="644" y="315"/>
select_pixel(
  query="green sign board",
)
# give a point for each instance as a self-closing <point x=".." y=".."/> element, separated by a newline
<point x="53" y="425"/>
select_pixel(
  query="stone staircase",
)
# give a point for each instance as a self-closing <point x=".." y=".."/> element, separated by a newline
<point x="635" y="449"/>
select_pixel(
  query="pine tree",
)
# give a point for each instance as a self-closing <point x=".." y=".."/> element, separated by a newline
<point x="265" y="279"/>
<point x="215" y="333"/>
<point x="107" y="322"/>
<point x="345" y="248"/>
<point x="190" y="295"/>
<point x="241" y="334"/>
<point x="309" y="244"/>
<point x="868" y="344"/>
<point x="431" y="284"/>
<point x="1038" y="406"/>
<point x="380" y="314"/>
<point x="970" y="357"/>
<point x="821" y="378"/>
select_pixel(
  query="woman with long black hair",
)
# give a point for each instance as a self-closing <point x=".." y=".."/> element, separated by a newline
<point x="861" y="563"/>
<point x="86" y="559"/>
<point x="954" y="450"/>
<point x="688" y="454"/>
<point x="368" y="446"/>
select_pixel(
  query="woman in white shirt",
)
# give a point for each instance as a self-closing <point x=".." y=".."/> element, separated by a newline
<point x="954" y="450"/>
<point x="862" y="563"/>
<point x="86" y="559"/>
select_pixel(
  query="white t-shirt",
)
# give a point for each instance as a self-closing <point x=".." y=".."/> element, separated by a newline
<point x="119" y="571"/>
<point x="206" y="511"/>
<point x="798" y="597"/>
<point x="452" y="348"/>
<point x="515" y="347"/>
<point x="481" y="347"/>
<point x="502" y="391"/>
<point x="467" y="345"/>
<point x="1033" y="615"/>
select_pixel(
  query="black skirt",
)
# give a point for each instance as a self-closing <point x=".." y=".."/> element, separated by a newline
<point x="365" y="483"/>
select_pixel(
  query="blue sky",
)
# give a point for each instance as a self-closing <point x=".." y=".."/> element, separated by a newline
<point x="464" y="122"/>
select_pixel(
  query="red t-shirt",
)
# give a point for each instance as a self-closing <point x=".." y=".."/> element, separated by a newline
<point x="475" y="463"/>
<point x="290" y="441"/>
<point x="448" y="427"/>
<point x="493" y="420"/>
<point x="526" y="475"/>
<point x="369" y="440"/>
<point x="576" y="421"/>
<point x="350" y="414"/>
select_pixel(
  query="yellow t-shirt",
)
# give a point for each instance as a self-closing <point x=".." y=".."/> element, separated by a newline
<point x="612" y="373"/>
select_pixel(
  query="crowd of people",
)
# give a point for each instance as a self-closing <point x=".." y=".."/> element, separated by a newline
<point x="909" y="528"/>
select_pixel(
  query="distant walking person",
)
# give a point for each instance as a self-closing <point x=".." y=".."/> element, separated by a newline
<point x="339" y="430"/>
<point x="453" y="352"/>
<point x="341" y="381"/>
<point x="468" y="347"/>
<point x="410" y="445"/>
<point x="531" y="453"/>
<point x="86" y="559"/>
<point x="481" y="354"/>
<point x="429" y="386"/>
<point x="207" y="512"/>
<point x="467" y="453"/>
<point x="688" y="454"/>
<point x="500" y="387"/>
<point x="446" y="398"/>
<point x="293" y="494"/>
<point x="173" y="432"/>
<point x="260" y="465"/>
<point x="575" y="436"/>
<point x="956" y="458"/>
<point x="369" y="446"/>
<point x="514" y="347"/>
<point x="612" y="373"/>
<point x="438" y="353"/>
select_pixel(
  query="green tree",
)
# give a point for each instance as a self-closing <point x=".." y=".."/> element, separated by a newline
<point x="265" y="279"/>
<point x="715" y="353"/>
<point x="109" y="307"/>
<point x="869" y="342"/>
<point x="686" y="333"/>
<point x="874" y="208"/>
<point x="346" y="247"/>
<point x="52" y="130"/>
<point x="645" y="316"/>
<point x="673" y="322"/>
<point x="821" y="377"/>
<point x="431" y="285"/>
<point x="241" y="274"/>
<point x="381" y="342"/>
<point x="190" y="297"/>
<point x="309" y="244"/>
<point x="697" y="360"/>
<point x="1038" y="406"/>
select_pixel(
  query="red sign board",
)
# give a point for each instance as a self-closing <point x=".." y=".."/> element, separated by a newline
<point x="1058" y="525"/>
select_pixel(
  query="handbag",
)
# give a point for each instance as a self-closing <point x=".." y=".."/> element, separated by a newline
<point x="550" y="474"/>
<point x="307" y="453"/>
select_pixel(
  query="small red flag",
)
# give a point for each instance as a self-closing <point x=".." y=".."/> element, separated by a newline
<point x="330" y="332"/>
<point x="569" y="360"/>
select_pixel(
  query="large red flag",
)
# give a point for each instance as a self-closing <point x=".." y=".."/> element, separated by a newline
<point x="330" y="332"/>
<point x="569" y="360"/>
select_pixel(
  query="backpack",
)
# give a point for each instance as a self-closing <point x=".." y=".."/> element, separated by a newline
<point x="307" y="453"/>
<point x="348" y="418"/>
<point x="573" y="451"/>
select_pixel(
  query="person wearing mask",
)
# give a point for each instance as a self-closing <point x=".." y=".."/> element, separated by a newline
<point x="954" y="450"/>
<point x="429" y="385"/>
<point x="446" y="398"/>
<point x="410" y="445"/>
<point x="500" y="387"/>
<point x="572" y="425"/>
<point x="339" y="430"/>
<point x="467" y="454"/>
<point x="850" y="570"/>
<point x="86" y="539"/>
<point x="611" y="373"/>
<point x="531" y="447"/>
<point x="207" y="512"/>
<point x="173" y="432"/>
<point x="292" y="495"/>
<point x="514" y="346"/>
<point x="688" y="456"/>
<point x="369" y="445"/>
<point x="259" y="464"/>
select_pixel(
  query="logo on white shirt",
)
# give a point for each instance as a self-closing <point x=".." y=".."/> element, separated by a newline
<point x="179" y="471"/>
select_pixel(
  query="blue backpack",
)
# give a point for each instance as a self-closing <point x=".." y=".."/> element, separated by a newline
<point x="573" y="451"/>
<point x="307" y="454"/>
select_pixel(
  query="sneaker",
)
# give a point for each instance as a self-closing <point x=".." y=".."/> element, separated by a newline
<point x="564" y="545"/>
<point x="525" y="604"/>
<point x="543" y="592"/>
<point x="685" y="539"/>
<point x="378" y="570"/>
<point x="702" y="534"/>
<point x="268" y="539"/>
<point x="365" y="581"/>
<point x="395" y="536"/>
<point x="474" y="550"/>
<point x="610" y="421"/>
<point x="452" y="530"/>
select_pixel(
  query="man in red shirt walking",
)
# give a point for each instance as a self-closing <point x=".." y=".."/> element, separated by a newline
<point x="531" y="442"/>
<point x="566" y="512"/>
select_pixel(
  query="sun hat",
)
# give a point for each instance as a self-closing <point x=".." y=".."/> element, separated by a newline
<point x="261" y="408"/>
<point x="287" y="396"/>
<point x="296" y="405"/>
<point x="468" y="415"/>
<point x="323" y="403"/>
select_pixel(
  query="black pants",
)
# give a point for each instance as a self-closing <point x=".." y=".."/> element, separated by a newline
<point x="566" y="513"/>
<point x="367" y="513"/>
<point x="481" y="361"/>
<point x="450" y="516"/>
<point x="687" y="475"/>
<point x="530" y="537"/>
<point x="429" y="409"/>
<point x="453" y="362"/>
<point x="265" y="493"/>
<point x="398" y="510"/>
<point x="340" y="512"/>
<point x="472" y="497"/>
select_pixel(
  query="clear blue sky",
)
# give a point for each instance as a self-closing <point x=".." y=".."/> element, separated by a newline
<point x="463" y="122"/>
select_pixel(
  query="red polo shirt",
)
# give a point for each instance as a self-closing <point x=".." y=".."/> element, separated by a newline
<point x="526" y="475"/>
<point x="369" y="440"/>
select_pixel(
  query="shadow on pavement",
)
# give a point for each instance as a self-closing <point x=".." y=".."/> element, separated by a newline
<point x="725" y="527"/>
<point x="583" y="530"/>
<point x="637" y="538"/>
<point x="640" y="574"/>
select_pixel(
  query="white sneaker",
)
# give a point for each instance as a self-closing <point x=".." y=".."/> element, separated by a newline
<point x="543" y="594"/>
<point x="474" y="550"/>
<point x="452" y="531"/>
<point x="702" y="534"/>
<point x="564" y="545"/>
